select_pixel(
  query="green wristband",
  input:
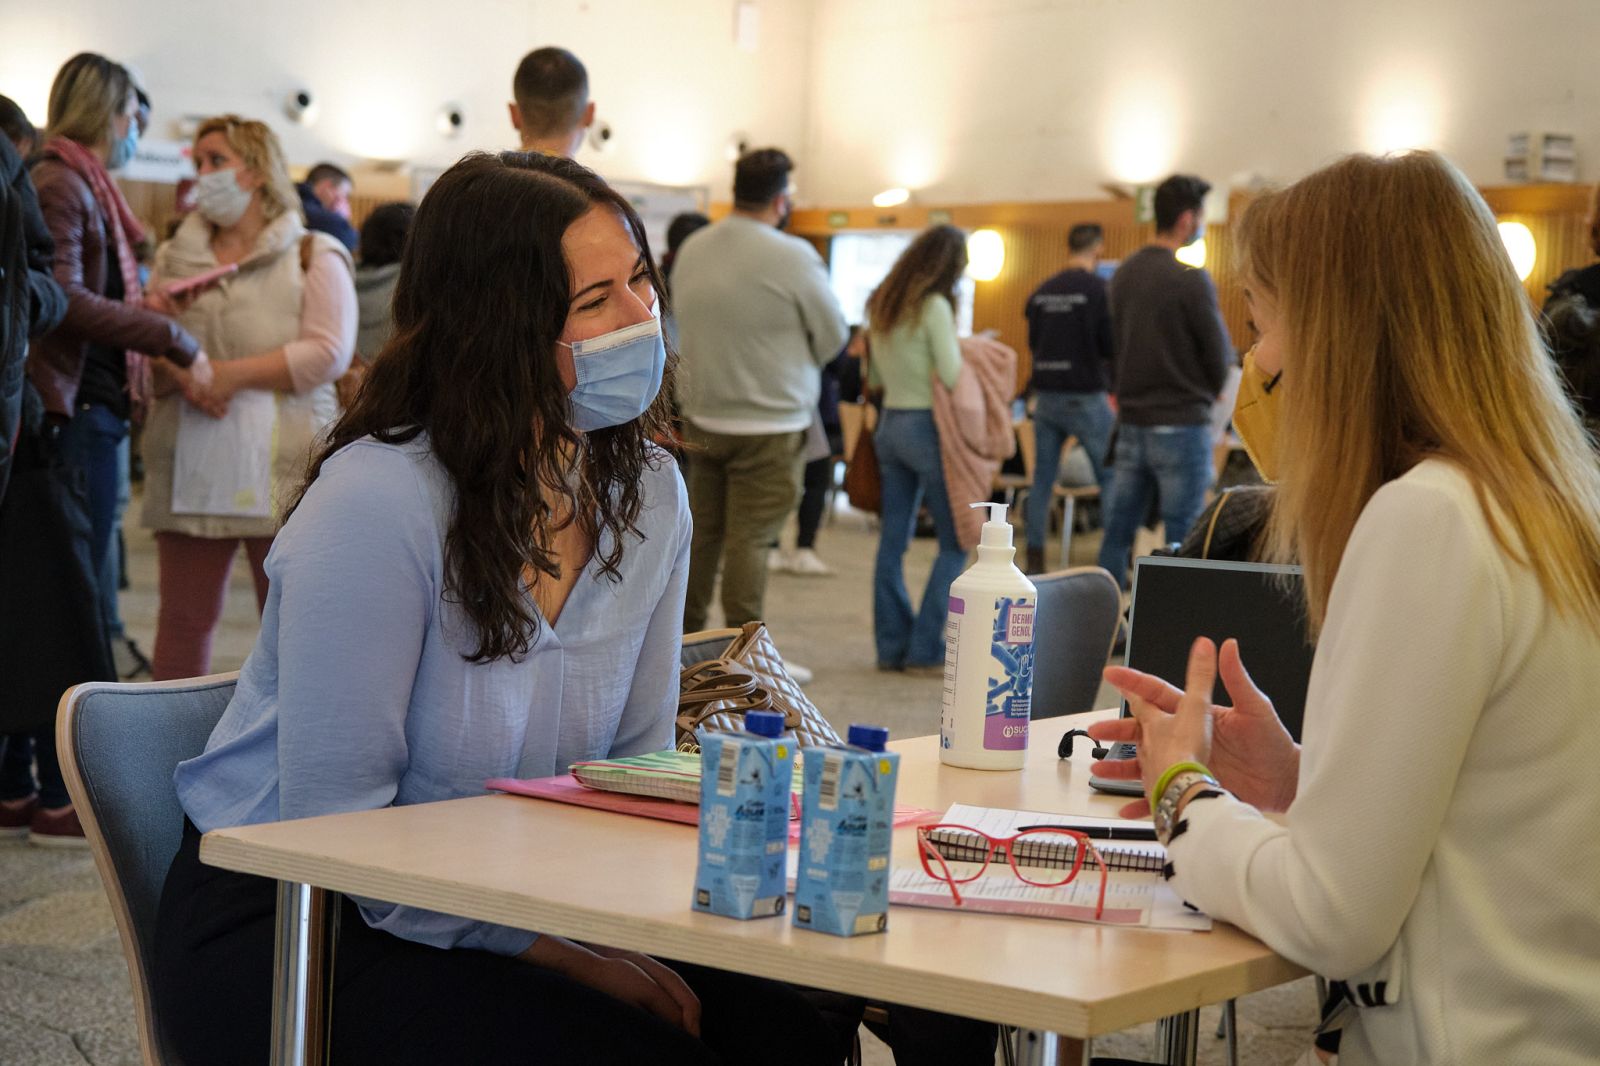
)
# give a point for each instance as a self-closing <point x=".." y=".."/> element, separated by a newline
<point x="1173" y="771"/>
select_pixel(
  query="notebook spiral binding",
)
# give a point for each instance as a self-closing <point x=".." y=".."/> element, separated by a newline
<point x="1117" y="856"/>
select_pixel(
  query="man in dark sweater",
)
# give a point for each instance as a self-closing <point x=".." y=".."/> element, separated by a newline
<point x="1571" y="324"/>
<point x="325" y="199"/>
<point x="1069" y="333"/>
<point x="1171" y="363"/>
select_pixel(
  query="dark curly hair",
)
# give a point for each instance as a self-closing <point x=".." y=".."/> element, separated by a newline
<point x="480" y="302"/>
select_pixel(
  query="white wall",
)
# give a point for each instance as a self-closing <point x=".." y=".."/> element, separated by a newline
<point x="665" y="73"/>
<point x="984" y="100"/>
<point x="963" y="100"/>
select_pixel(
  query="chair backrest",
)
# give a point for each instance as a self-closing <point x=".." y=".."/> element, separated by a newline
<point x="706" y="644"/>
<point x="1074" y="627"/>
<point x="119" y="745"/>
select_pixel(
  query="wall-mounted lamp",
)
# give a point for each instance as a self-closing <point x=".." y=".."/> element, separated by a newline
<point x="450" y="120"/>
<point x="986" y="255"/>
<point x="301" y="107"/>
<point x="1521" y="247"/>
<point x="1193" y="254"/>
<point x="891" y="197"/>
<point x="600" y="136"/>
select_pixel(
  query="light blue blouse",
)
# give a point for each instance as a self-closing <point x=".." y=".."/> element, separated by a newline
<point x="357" y="696"/>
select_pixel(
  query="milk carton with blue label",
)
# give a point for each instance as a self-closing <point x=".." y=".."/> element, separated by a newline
<point x="988" y="669"/>
<point x="845" y="832"/>
<point x="745" y="784"/>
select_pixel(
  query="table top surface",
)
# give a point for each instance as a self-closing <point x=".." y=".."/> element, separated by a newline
<point x="614" y="879"/>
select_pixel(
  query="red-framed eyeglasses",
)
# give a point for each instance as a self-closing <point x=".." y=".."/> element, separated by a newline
<point x="1051" y="857"/>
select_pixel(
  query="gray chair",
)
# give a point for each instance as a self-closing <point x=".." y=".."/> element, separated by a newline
<point x="119" y="745"/>
<point x="1074" y="626"/>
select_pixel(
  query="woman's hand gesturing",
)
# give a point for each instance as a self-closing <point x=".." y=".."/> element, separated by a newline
<point x="1245" y="745"/>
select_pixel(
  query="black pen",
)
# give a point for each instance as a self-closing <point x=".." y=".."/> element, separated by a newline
<point x="1102" y="832"/>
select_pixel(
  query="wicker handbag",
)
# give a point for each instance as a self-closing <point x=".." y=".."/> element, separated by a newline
<point x="747" y="676"/>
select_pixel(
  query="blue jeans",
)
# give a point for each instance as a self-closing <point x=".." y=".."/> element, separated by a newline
<point x="1057" y="416"/>
<point x="907" y="445"/>
<point x="1172" y="464"/>
<point x="94" y="441"/>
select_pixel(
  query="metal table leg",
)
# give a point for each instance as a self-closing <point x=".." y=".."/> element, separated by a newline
<point x="1177" y="1039"/>
<point x="303" y="974"/>
<point x="1068" y="506"/>
<point x="1035" y="1048"/>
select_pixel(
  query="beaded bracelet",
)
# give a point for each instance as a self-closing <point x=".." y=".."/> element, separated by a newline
<point x="1173" y="771"/>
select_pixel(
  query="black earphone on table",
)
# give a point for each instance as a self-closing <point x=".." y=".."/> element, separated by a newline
<point x="1064" y="750"/>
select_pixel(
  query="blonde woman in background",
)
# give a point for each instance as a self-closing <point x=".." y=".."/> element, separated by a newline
<point x="221" y="456"/>
<point x="1436" y="484"/>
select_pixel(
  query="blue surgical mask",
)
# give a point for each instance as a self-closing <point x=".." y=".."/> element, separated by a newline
<point x="619" y="374"/>
<point x="122" y="152"/>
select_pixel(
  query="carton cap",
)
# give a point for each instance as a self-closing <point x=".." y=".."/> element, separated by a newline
<point x="764" y="723"/>
<point x="871" y="737"/>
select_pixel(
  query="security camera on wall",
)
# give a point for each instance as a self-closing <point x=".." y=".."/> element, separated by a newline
<point x="451" y="120"/>
<point x="600" y="136"/>
<point x="301" y="107"/>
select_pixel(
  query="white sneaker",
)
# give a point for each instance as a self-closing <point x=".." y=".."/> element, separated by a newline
<point x="801" y="675"/>
<point x="807" y="562"/>
<point x="777" y="561"/>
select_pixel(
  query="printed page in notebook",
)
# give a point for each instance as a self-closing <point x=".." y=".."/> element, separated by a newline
<point x="1130" y="898"/>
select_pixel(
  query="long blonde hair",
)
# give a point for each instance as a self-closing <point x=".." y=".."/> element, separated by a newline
<point x="1406" y="335"/>
<point x="258" y="146"/>
<point x="88" y="93"/>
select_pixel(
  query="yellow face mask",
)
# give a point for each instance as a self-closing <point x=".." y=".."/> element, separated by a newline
<point x="1255" y="416"/>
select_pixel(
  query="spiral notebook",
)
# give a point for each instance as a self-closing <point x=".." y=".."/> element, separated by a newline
<point x="1118" y="855"/>
<point x="673" y="775"/>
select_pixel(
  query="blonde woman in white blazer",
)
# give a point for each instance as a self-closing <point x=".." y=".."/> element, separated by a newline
<point x="1437" y="858"/>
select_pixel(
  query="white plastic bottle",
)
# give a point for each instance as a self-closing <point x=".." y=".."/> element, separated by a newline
<point x="988" y="666"/>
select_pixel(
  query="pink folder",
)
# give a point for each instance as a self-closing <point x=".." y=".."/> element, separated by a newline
<point x="564" y="788"/>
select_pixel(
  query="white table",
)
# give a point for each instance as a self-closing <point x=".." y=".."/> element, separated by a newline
<point x="576" y="872"/>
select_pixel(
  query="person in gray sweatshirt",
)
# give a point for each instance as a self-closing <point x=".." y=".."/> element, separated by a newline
<point x="756" y="322"/>
<point x="383" y="236"/>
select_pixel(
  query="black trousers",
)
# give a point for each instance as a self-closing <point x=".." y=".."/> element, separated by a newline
<point x="396" y="1002"/>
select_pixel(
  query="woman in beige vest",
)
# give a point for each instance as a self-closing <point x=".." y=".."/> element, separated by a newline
<point x="220" y="458"/>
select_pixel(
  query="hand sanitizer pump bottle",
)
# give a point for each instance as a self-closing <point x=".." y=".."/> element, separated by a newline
<point x="988" y="670"/>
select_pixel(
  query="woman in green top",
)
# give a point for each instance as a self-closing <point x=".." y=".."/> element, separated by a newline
<point x="912" y="322"/>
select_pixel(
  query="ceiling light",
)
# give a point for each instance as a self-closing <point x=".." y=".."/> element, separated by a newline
<point x="891" y="197"/>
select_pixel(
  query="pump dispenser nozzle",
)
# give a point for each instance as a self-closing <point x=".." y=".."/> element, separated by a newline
<point x="996" y="531"/>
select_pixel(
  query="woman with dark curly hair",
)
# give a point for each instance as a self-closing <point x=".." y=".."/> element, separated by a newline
<point x="483" y="577"/>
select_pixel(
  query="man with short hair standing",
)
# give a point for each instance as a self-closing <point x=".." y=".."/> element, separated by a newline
<point x="1069" y="333"/>
<point x="551" y="110"/>
<point x="1172" y="353"/>
<point x="325" y="199"/>
<point x="756" y="322"/>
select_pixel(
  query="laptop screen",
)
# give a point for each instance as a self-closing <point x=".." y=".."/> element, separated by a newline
<point x="1177" y="600"/>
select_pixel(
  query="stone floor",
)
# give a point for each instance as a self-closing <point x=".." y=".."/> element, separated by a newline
<point x="64" y="995"/>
